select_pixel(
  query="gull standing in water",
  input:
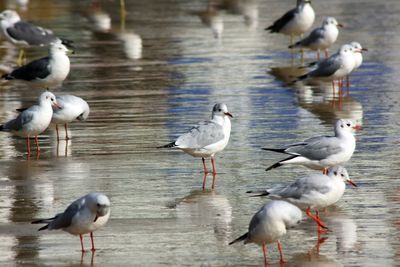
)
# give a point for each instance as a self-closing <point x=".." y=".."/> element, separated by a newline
<point x="33" y="121"/>
<point x="312" y="192"/>
<point x="207" y="138"/>
<point x="269" y="224"/>
<point x="24" y="34"/>
<point x="44" y="72"/>
<point x="296" y="21"/>
<point x="71" y="108"/>
<point x="84" y="215"/>
<point x="358" y="57"/>
<point x="322" y="37"/>
<point x="321" y="152"/>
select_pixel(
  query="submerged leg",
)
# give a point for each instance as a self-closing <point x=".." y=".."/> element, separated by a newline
<point x="264" y="249"/>
<point x="37" y="144"/>
<point x="91" y="238"/>
<point x="204" y="180"/>
<point x="213" y="181"/>
<point x="214" y="171"/>
<point x="58" y="136"/>
<point x="66" y="132"/>
<point x="204" y="165"/>
<point x="280" y="252"/>
<point x="81" y="238"/>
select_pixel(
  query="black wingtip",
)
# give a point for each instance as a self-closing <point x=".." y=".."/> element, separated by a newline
<point x="274" y="166"/>
<point x="1" y="127"/>
<point x="243" y="237"/>
<point x="7" y="76"/>
<point x="279" y="150"/>
<point x="43" y="228"/>
<point x="172" y="144"/>
<point x="260" y="193"/>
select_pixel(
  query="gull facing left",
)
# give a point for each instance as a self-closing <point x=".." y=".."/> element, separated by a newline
<point x="269" y="224"/>
<point x="207" y="138"/>
<point x="84" y="215"/>
<point x="34" y="120"/>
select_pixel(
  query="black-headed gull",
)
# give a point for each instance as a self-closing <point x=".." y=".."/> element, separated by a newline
<point x="24" y="34"/>
<point x="44" y="72"/>
<point x="296" y="21"/>
<point x="312" y="192"/>
<point x="34" y="120"/>
<point x="358" y="58"/>
<point x="70" y="108"/>
<point x="321" y="152"/>
<point x="207" y="138"/>
<point x="321" y="38"/>
<point x="84" y="215"/>
<point x="269" y="224"/>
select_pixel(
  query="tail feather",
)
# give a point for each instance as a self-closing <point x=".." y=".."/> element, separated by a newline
<point x="7" y="76"/>
<point x="172" y="144"/>
<point x="43" y="228"/>
<point x="295" y="45"/>
<point x="279" y="150"/>
<point x="279" y="163"/>
<point x="241" y="238"/>
<point x="1" y="127"/>
<point x="302" y="77"/>
<point x="260" y="193"/>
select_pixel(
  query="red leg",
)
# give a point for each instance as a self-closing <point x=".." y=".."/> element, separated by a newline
<point x="28" y="144"/>
<point x="213" y="166"/>
<point x="325" y="171"/>
<point x="348" y="84"/>
<point x="320" y="230"/>
<point x="66" y="132"/>
<point x="318" y="55"/>
<point x="37" y="144"/>
<point x="264" y="249"/>
<point x="213" y="182"/>
<point x="58" y="137"/>
<point x="280" y="252"/>
<point x="204" y="165"/>
<point x="81" y="238"/>
<point x="91" y="238"/>
<point x="315" y="219"/>
<point x="204" y="180"/>
<point x="326" y="53"/>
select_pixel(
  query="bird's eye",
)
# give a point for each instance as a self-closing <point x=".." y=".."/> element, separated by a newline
<point x="348" y="124"/>
<point x="98" y="205"/>
<point x="220" y="110"/>
<point x="342" y="175"/>
<point x="52" y="99"/>
<point x="335" y="173"/>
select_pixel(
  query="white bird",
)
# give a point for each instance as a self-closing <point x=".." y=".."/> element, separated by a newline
<point x="84" y="215"/>
<point x="296" y="21"/>
<point x="48" y="71"/>
<point x="269" y="224"/>
<point x="321" y="38"/>
<point x="336" y="67"/>
<point x="34" y="120"/>
<point x="358" y="58"/>
<point x="207" y="138"/>
<point x="321" y="152"/>
<point x="24" y="34"/>
<point x="313" y="192"/>
<point x="71" y="108"/>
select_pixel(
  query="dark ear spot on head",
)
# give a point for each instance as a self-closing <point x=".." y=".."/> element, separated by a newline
<point x="335" y="173"/>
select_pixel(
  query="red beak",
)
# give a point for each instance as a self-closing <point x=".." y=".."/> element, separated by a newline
<point x="357" y="127"/>
<point x="56" y="105"/>
<point x="352" y="183"/>
<point x="228" y="114"/>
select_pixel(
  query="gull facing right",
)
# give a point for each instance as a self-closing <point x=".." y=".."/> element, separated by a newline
<point x="312" y="192"/>
<point x="207" y="138"/>
<point x="321" y="152"/>
<point x="84" y="215"/>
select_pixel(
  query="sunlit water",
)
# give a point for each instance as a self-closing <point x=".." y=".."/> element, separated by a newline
<point x="158" y="74"/>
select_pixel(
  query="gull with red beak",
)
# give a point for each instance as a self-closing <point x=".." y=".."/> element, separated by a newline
<point x="84" y="215"/>
<point x="321" y="152"/>
<point x="207" y="138"/>
<point x="312" y="192"/>
<point x="34" y="120"/>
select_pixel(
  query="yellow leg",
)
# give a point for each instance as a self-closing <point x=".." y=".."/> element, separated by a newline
<point x="21" y="57"/>
<point x="123" y="14"/>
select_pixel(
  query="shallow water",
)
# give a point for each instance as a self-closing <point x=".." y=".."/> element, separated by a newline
<point x="151" y="78"/>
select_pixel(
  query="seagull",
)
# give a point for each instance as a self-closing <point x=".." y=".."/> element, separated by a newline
<point x="269" y="224"/>
<point x="48" y="71"/>
<point x="24" y="34"/>
<point x="322" y="37"/>
<point x="335" y="67"/>
<point x="313" y="192"/>
<point x="71" y="108"/>
<point x="207" y="138"/>
<point x="296" y="21"/>
<point x="33" y="121"/>
<point x="321" y="152"/>
<point x="358" y="57"/>
<point x="84" y="215"/>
